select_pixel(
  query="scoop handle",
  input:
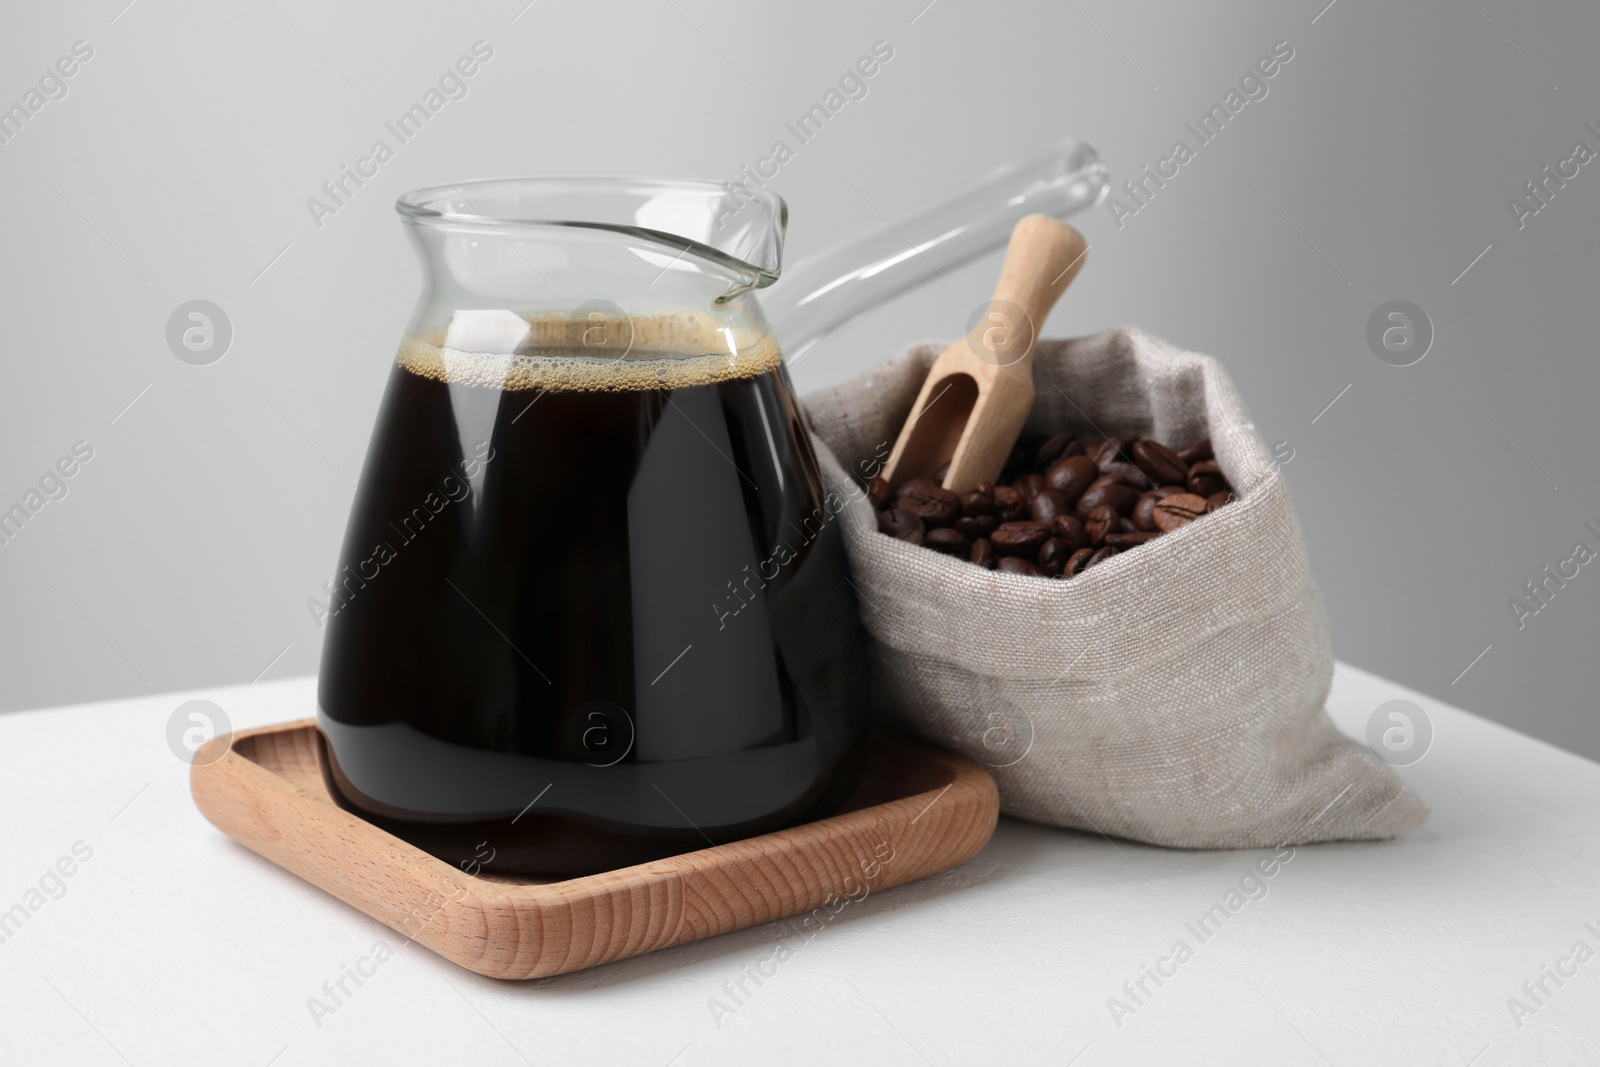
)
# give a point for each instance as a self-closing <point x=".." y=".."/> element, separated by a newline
<point x="1043" y="257"/>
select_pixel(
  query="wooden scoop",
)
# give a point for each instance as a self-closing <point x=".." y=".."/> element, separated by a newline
<point x="980" y="389"/>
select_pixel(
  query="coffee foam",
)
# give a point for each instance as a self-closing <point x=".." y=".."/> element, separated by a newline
<point x="666" y="352"/>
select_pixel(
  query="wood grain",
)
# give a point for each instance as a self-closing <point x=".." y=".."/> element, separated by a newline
<point x="980" y="390"/>
<point x="928" y="810"/>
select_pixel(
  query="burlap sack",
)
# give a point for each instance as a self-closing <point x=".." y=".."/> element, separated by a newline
<point x="1173" y="694"/>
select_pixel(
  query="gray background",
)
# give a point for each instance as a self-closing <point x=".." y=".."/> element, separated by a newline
<point x="1378" y="167"/>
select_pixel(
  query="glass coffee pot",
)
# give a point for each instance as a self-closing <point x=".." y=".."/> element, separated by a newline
<point x="592" y="606"/>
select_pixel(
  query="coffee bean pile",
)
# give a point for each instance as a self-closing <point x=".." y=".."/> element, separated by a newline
<point x="1064" y="504"/>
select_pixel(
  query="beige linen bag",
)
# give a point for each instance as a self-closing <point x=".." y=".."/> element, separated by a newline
<point x="1173" y="694"/>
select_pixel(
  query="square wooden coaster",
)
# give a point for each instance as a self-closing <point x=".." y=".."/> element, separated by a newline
<point x="918" y="811"/>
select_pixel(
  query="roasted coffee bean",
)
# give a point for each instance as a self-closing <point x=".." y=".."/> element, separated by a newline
<point x="1009" y="504"/>
<point x="1103" y="520"/>
<point x="1070" y="530"/>
<point x="1071" y="476"/>
<point x="1177" y="510"/>
<point x="878" y="493"/>
<point x="1052" y="449"/>
<point x="1142" y="511"/>
<point x="951" y="542"/>
<point x="1113" y="450"/>
<point x="1124" y="525"/>
<point x="1029" y="484"/>
<point x="1019" y="538"/>
<point x="982" y="553"/>
<point x="1216" y="500"/>
<point x="936" y="504"/>
<point x="1128" y="475"/>
<point x="1160" y="463"/>
<point x="1046" y="504"/>
<point x="1077" y="562"/>
<point x="1017" y="565"/>
<point x="1198" y="452"/>
<point x="1053" y="556"/>
<point x="1100" y="556"/>
<point x="901" y="523"/>
<point x="973" y="527"/>
<point x="976" y="503"/>
<point x="979" y="500"/>
<point x="911" y="485"/>
<point x="1206" y="478"/>
<point x="1119" y="541"/>
<point x="1110" y="493"/>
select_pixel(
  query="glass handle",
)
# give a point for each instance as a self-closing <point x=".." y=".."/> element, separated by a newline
<point x="824" y="291"/>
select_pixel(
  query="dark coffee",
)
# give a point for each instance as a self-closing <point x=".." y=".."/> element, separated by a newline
<point x="592" y="611"/>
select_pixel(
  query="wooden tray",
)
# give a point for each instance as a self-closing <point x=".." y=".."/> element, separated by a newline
<point x="918" y="812"/>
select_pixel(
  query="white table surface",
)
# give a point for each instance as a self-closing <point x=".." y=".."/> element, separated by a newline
<point x="173" y="945"/>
